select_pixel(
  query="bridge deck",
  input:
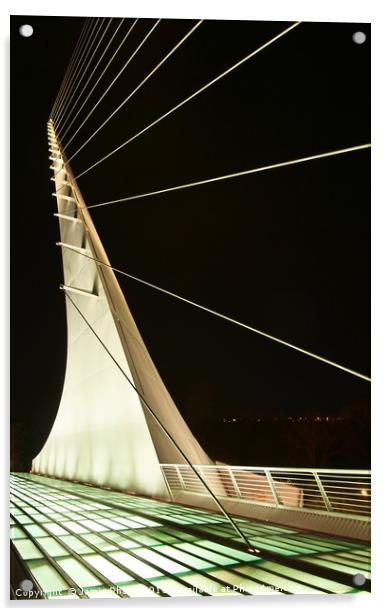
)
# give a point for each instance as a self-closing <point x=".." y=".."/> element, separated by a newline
<point x="109" y="544"/>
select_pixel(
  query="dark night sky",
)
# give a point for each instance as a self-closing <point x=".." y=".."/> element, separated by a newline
<point x="286" y="251"/>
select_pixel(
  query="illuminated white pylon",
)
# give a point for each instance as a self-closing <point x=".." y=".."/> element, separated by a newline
<point x="103" y="434"/>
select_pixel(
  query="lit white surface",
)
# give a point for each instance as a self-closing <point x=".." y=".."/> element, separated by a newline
<point x="103" y="433"/>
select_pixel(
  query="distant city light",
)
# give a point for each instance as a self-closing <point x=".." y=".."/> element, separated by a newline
<point x="289" y="418"/>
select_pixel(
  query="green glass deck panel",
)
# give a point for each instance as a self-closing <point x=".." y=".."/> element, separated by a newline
<point x="75" y="544"/>
<point x="197" y="550"/>
<point x="148" y="547"/>
<point x="224" y="549"/>
<point x="220" y="533"/>
<point x="15" y="510"/>
<point x="337" y="566"/>
<point x="348" y="560"/>
<point x="167" y="564"/>
<point x="365" y="557"/>
<point x="23" y="519"/>
<point x="125" y="539"/>
<point x="39" y="517"/>
<point x="27" y="549"/>
<point x="16" y="532"/>
<point x="154" y="538"/>
<point x="52" y="546"/>
<point x="274" y="546"/>
<point x="179" y="535"/>
<point x="88" y="525"/>
<point x="144" y="570"/>
<point x="301" y="546"/>
<point x="47" y="576"/>
<point x="308" y="578"/>
<point x="317" y="543"/>
<point x="144" y="521"/>
<point x="36" y="530"/>
<point x="77" y="571"/>
<point x="108" y="569"/>
<point x="98" y="541"/>
<point x="183" y="556"/>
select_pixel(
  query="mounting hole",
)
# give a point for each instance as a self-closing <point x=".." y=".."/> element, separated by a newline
<point x="26" y="585"/>
<point x="26" y="30"/>
<point x="359" y="579"/>
<point x="359" y="37"/>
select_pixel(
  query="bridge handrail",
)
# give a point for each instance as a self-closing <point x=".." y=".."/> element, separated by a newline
<point x="344" y="492"/>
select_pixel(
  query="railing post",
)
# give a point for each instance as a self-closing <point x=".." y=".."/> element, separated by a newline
<point x="167" y="483"/>
<point x="234" y="482"/>
<point x="180" y="476"/>
<point x="324" y="495"/>
<point x="272" y="487"/>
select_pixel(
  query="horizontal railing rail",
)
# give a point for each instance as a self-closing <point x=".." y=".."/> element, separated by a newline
<point x="339" y="492"/>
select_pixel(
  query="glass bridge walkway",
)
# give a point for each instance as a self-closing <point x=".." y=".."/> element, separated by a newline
<point x="74" y="541"/>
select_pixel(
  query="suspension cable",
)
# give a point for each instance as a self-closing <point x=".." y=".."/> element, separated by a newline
<point x="223" y="316"/>
<point x="69" y="68"/>
<point x="87" y="58"/>
<point x="186" y="100"/>
<point x="153" y="71"/>
<point x="115" y="78"/>
<point x="100" y="77"/>
<point x="235" y="526"/>
<point x="75" y="70"/>
<point x="70" y="111"/>
<point x="229" y="176"/>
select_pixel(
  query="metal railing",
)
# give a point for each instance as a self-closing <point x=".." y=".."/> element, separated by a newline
<point x="341" y="492"/>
